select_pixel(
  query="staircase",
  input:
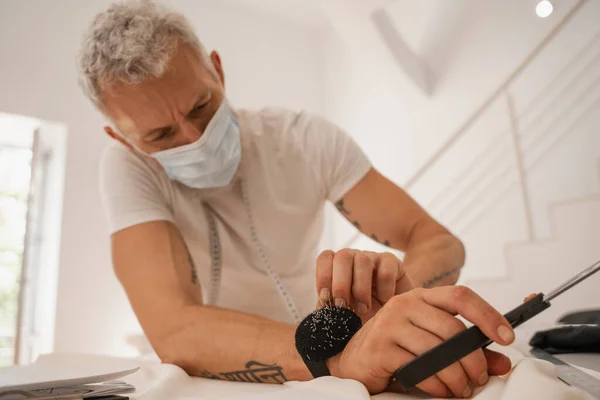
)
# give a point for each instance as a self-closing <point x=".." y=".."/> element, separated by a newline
<point x="542" y="265"/>
<point x="518" y="182"/>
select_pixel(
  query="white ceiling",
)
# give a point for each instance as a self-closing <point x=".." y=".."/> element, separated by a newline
<point x="425" y="22"/>
<point x="306" y="13"/>
<point x="418" y="20"/>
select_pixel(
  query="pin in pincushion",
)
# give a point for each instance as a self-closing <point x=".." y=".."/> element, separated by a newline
<point x="325" y="332"/>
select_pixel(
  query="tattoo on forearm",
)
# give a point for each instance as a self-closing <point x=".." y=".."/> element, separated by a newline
<point x="208" y="375"/>
<point x="255" y="372"/>
<point x="429" y="283"/>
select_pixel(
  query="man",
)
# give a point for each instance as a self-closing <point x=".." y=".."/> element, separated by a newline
<point x="216" y="214"/>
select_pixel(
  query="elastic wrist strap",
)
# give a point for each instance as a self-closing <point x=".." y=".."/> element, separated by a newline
<point x="324" y="333"/>
<point x="317" y="368"/>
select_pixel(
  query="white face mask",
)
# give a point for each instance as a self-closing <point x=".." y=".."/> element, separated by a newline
<point x="210" y="161"/>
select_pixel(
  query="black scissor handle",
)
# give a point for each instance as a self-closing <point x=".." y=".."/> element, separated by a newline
<point x="461" y="345"/>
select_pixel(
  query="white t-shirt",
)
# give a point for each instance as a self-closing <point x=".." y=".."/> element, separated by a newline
<point x="291" y="164"/>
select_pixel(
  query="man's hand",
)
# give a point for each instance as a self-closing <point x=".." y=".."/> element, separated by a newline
<point x="361" y="280"/>
<point x="387" y="214"/>
<point x="412" y="323"/>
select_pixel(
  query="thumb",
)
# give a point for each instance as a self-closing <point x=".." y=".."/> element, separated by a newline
<point x="498" y="363"/>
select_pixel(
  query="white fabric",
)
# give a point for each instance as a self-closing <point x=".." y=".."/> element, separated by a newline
<point x="291" y="164"/>
<point x="529" y="379"/>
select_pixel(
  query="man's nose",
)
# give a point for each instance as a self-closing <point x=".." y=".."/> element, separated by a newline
<point x="189" y="132"/>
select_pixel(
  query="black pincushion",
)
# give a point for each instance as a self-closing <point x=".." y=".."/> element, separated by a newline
<point x="325" y="332"/>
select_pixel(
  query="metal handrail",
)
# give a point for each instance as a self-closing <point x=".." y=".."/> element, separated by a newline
<point x="498" y="173"/>
<point x="500" y="91"/>
<point x="567" y="111"/>
<point x="578" y="56"/>
<point x="569" y="129"/>
<point x="491" y="149"/>
<point x="485" y="159"/>
<point x="495" y="95"/>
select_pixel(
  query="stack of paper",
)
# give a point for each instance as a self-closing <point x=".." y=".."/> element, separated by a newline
<point x="39" y="381"/>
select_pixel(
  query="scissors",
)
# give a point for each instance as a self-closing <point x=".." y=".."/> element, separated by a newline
<point x="469" y="340"/>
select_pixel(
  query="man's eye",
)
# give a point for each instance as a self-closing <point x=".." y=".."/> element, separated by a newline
<point x="161" y="135"/>
<point x="196" y="110"/>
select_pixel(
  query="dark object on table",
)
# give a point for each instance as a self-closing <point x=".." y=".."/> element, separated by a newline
<point x="568" y="339"/>
<point x="581" y="317"/>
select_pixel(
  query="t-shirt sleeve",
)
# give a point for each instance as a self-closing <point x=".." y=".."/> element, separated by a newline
<point x="338" y="161"/>
<point x="131" y="191"/>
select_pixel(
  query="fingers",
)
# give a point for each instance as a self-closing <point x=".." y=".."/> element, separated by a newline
<point x="389" y="358"/>
<point x="341" y="284"/>
<point x="362" y="282"/>
<point x="444" y="326"/>
<point x="346" y="278"/>
<point x="498" y="364"/>
<point x="418" y="341"/>
<point x="435" y="387"/>
<point x="387" y="272"/>
<point x="462" y="300"/>
<point x="324" y="276"/>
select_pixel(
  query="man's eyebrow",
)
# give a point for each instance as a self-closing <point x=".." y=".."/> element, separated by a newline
<point x="198" y="98"/>
<point x="206" y="94"/>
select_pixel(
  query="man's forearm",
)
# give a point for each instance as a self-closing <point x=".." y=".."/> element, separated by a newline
<point x="224" y="344"/>
<point x="436" y="261"/>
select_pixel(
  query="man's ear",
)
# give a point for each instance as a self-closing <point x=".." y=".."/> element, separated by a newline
<point x="109" y="131"/>
<point x="216" y="60"/>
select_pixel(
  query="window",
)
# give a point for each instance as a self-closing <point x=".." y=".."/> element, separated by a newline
<point x="32" y="161"/>
<point x="15" y="173"/>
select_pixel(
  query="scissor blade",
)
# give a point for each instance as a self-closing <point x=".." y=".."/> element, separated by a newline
<point x="573" y="281"/>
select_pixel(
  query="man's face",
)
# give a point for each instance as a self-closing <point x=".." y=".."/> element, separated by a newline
<point x="169" y="111"/>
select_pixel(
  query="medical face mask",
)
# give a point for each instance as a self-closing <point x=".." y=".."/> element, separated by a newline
<point x="210" y="161"/>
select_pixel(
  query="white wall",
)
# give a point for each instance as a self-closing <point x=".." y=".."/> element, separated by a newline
<point x="482" y="52"/>
<point x="274" y="62"/>
<point x="556" y="100"/>
<point x="372" y="113"/>
<point x="267" y="62"/>
<point x="478" y="55"/>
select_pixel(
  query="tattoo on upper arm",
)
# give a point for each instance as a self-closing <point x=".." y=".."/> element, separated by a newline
<point x="385" y="242"/>
<point x="431" y="282"/>
<point x="255" y="372"/>
<point x="342" y="209"/>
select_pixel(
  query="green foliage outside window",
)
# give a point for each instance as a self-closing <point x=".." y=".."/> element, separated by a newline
<point x="15" y="169"/>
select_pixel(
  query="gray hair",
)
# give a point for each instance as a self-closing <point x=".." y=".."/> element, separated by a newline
<point x="130" y="42"/>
